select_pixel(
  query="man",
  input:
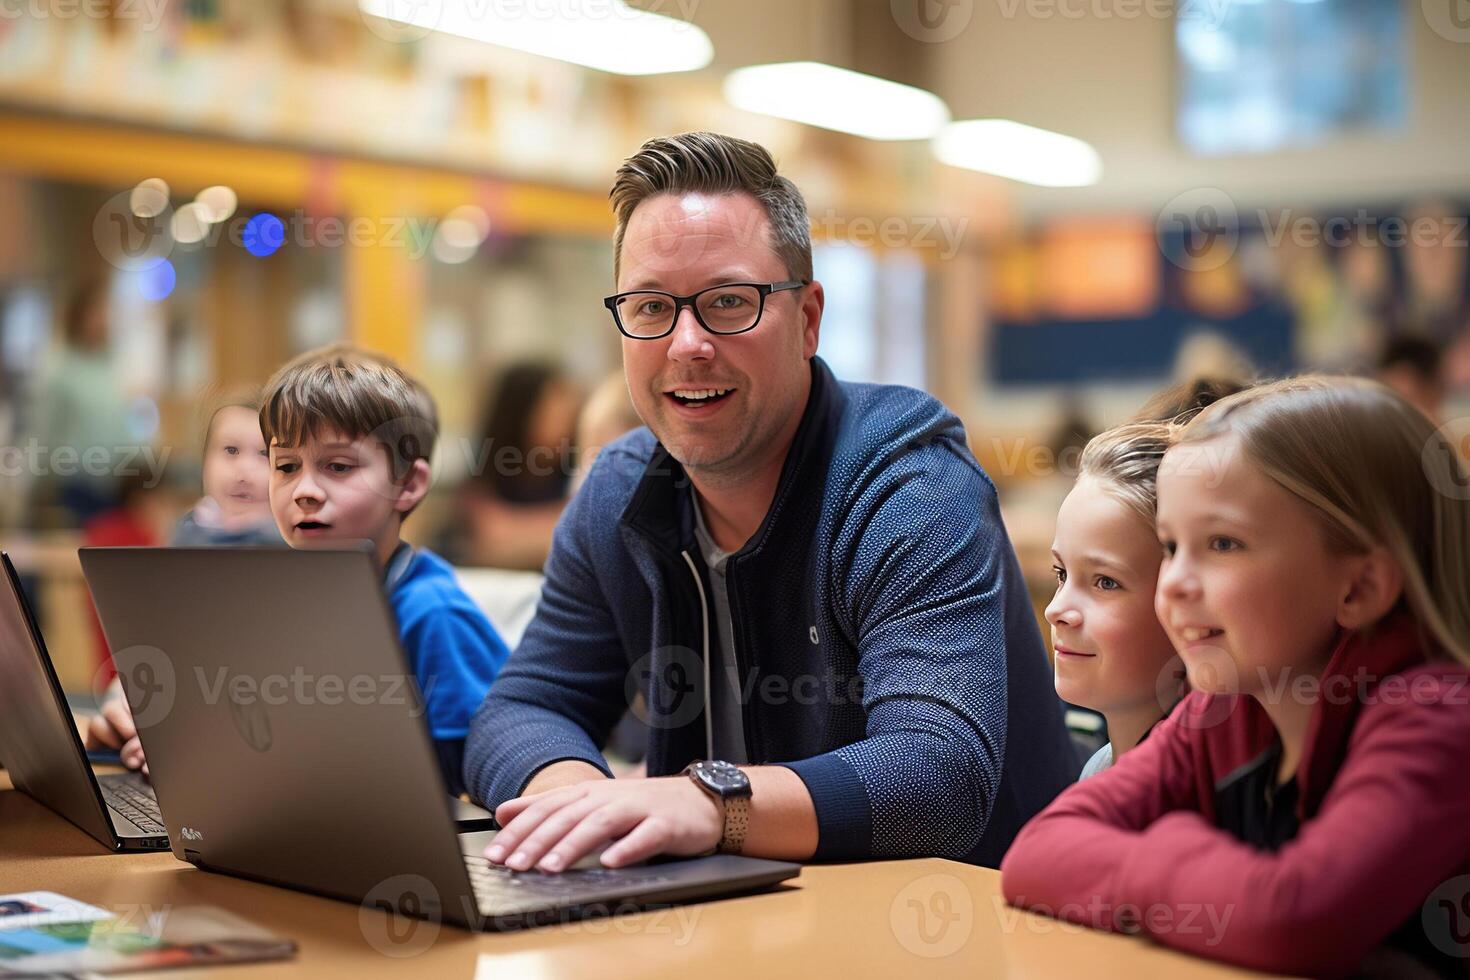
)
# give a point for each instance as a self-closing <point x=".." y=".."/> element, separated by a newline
<point x="806" y="581"/>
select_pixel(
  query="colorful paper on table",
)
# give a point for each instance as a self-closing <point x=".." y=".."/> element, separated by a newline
<point x="144" y="939"/>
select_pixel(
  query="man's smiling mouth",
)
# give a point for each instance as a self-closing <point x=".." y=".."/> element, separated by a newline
<point x="698" y="396"/>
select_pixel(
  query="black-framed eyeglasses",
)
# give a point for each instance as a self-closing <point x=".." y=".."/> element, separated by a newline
<point x="731" y="307"/>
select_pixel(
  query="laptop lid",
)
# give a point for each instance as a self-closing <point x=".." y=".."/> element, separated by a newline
<point x="284" y="731"/>
<point x="39" y="742"/>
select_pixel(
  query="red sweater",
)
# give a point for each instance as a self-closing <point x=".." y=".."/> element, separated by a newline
<point x="1188" y="839"/>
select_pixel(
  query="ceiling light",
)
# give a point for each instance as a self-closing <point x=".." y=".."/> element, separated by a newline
<point x="1020" y="152"/>
<point x="835" y="98"/>
<point x="611" y="37"/>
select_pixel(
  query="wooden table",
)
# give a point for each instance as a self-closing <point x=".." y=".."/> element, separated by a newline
<point x="892" y="919"/>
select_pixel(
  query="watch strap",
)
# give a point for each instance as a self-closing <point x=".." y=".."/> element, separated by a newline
<point x="737" y="822"/>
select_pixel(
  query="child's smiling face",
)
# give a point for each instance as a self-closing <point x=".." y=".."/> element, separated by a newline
<point x="1248" y="585"/>
<point x="236" y="470"/>
<point x="332" y="489"/>
<point x="1110" y="647"/>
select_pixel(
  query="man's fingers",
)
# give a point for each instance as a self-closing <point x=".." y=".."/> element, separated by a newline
<point x="650" y="837"/>
<point x="132" y="753"/>
<point x="518" y="817"/>
<point x="116" y="711"/>
<point x="597" y="828"/>
<point x="101" y="734"/>
<point x="551" y="828"/>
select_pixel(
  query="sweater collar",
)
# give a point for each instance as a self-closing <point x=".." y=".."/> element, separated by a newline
<point x="1362" y="660"/>
<point x="662" y="506"/>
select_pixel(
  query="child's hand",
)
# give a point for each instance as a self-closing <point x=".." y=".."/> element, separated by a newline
<point x="114" y="729"/>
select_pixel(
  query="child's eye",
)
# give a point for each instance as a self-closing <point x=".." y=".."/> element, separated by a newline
<point x="1061" y="574"/>
<point x="1169" y="548"/>
<point x="340" y="468"/>
<point x="1224" y="544"/>
<point x="233" y="451"/>
<point x="1106" y="584"/>
<point x="286" y="467"/>
<point x="265" y="454"/>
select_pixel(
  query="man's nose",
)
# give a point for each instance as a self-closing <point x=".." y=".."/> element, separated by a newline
<point x="690" y="341"/>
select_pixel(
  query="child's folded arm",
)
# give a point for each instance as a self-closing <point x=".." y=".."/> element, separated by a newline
<point x="1389" y="832"/>
<point x="1068" y="862"/>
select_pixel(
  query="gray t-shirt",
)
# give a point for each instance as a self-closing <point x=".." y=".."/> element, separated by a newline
<point x="726" y="710"/>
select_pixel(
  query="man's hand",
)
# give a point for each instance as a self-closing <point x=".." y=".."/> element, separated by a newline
<point x="114" y="729"/>
<point x="550" y="831"/>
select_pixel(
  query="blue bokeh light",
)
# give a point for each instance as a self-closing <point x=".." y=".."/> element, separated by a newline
<point x="264" y="235"/>
<point x="157" y="281"/>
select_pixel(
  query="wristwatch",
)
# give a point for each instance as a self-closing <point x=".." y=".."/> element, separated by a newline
<point x="731" y="789"/>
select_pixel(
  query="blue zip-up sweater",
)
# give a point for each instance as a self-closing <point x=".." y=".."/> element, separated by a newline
<point x="882" y="630"/>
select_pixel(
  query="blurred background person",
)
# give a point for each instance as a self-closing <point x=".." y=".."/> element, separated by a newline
<point x="82" y="415"/>
<point x="1413" y="367"/>
<point x="608" y="414"/>
<point x="521" y="469"/>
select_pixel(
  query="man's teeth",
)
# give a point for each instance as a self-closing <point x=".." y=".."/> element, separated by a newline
<point x="699" y="394"/>
<point x="1194" y="634"/>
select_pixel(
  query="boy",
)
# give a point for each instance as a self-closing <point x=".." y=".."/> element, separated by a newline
<point x="349" y="436"/>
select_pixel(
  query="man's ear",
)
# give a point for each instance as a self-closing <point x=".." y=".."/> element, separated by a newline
<point x="413" y="488"/>
<point x="811" y="315"/>
<point x="1374" y="586"/>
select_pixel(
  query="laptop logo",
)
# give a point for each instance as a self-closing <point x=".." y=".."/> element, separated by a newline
<point x="253" y="724"/>
<point x="189" y="833"/>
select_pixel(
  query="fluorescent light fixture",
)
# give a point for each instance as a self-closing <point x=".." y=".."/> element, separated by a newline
<point x="1020" y="152"/>
<point x="611" y="36"/>
<point x="835" y="98"/>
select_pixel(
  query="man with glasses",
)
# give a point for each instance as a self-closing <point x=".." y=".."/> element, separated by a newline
<point x="801" y="585"/>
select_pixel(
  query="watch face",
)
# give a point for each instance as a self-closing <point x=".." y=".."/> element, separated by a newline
<point x="722" y="777"/>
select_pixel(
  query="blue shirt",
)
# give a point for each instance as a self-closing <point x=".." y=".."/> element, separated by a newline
<point x="454" y="650"/>
<point x="885" y="643"/>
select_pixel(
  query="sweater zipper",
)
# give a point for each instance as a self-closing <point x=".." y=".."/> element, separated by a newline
<point x="709" y="730"/>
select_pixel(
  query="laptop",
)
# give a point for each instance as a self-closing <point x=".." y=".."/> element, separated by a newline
<point x="42" y="750"/>
<point x="264" y="730"/>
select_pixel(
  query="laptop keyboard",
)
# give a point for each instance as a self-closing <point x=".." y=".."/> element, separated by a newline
<point x="499" y="890"/>
<point x="134" y="801"/>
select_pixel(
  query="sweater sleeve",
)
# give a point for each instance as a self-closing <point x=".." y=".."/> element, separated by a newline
<point x="1389" y="831"/>
<point x="921" y="564"/>
<point x="1069" y="859"/>
<point x="561" y="691"/>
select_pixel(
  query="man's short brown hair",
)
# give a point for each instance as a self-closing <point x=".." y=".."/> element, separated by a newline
<point x="709" y="163"/>
<point x="353" y="392"/>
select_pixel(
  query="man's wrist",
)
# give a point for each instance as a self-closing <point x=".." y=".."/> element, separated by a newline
<point x="563" y="772"/>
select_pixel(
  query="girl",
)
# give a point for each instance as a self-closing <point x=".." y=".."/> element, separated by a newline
<point x="1111" y="653"/>
<point x="235" y="508"/>
<point x="1305" y="804"/>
